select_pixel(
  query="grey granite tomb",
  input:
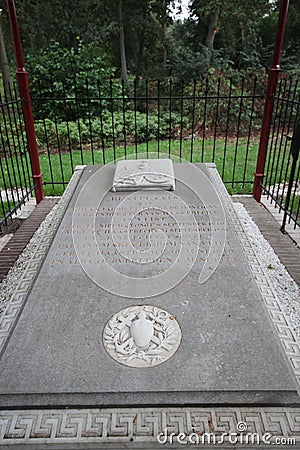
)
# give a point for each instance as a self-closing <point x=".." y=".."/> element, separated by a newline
<point x="227" y="350"/>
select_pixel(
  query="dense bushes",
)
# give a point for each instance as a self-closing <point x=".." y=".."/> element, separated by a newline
<point x="61" y="73"/>
<point x="109" y="129"/>
<point x="79" y="101"/>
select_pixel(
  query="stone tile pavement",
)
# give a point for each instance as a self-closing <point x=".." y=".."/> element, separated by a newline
<point x="13" y="246"/>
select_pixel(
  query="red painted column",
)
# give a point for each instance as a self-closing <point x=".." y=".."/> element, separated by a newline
<point x="22" y="77"/>
<point x="274" y="72"/>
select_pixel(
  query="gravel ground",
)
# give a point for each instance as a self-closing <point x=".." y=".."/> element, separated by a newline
<point x="10" y="282"/>
<point x="287" y="290"/>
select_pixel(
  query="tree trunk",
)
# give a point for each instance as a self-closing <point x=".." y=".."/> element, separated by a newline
<point x="140" y="55"/>
<point x="165" y="53"/>
<point x="212" y="29"/>
<point x="243" y="40"/>
<point x="122" y="46"/>
<point x="4" y="65"/>
<point x="142" y="37"/>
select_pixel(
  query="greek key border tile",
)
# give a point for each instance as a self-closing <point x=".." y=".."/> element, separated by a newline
<point x="280" y="321"/>
<point x="141" y="425"/>
<point x="16" y="302"/>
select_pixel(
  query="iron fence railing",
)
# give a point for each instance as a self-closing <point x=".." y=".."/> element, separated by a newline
<point x="16" y="184"/>
<point x="203" y="121"/>
<point x="282" y="171"/>
<point x="206" y="120"/>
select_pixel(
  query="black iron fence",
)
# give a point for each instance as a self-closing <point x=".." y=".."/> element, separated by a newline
<point x="212" y="119"/>
<point x="282" y="180"/>
<point x="16" y="185"/>
<point x="207" y="120"/>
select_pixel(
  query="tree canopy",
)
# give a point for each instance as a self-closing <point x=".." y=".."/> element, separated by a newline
<point x="140" y="38"/>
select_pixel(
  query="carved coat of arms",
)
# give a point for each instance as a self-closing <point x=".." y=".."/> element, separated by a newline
<point x="141" y="336"/>
<point x="144" y="174"/>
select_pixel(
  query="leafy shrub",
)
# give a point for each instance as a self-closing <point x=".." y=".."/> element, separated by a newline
<point x="58" y="75"/>
<point x="108" y="128"/>
<point x="13" y="137"/>
<point x="224" y="103"/>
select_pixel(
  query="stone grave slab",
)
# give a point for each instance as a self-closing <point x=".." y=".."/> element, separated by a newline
<point x="96" y="273"/>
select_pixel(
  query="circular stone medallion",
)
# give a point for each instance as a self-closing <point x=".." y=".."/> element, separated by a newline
<point x="141" y="336"/>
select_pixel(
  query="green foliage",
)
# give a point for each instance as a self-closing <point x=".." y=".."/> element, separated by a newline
<point x="224" y="103"/>
<point x="189" y="64"/>
<point x="242" y="37"/>
<point x="12" y="132"/>
<point x="118" y="127"/>
<point x="60" y="135"/>
<point x="63" y="73"/>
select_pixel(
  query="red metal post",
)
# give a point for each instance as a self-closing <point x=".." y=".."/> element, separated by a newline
<point x="274" y="72"/>
<point x="22" y="77"/>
